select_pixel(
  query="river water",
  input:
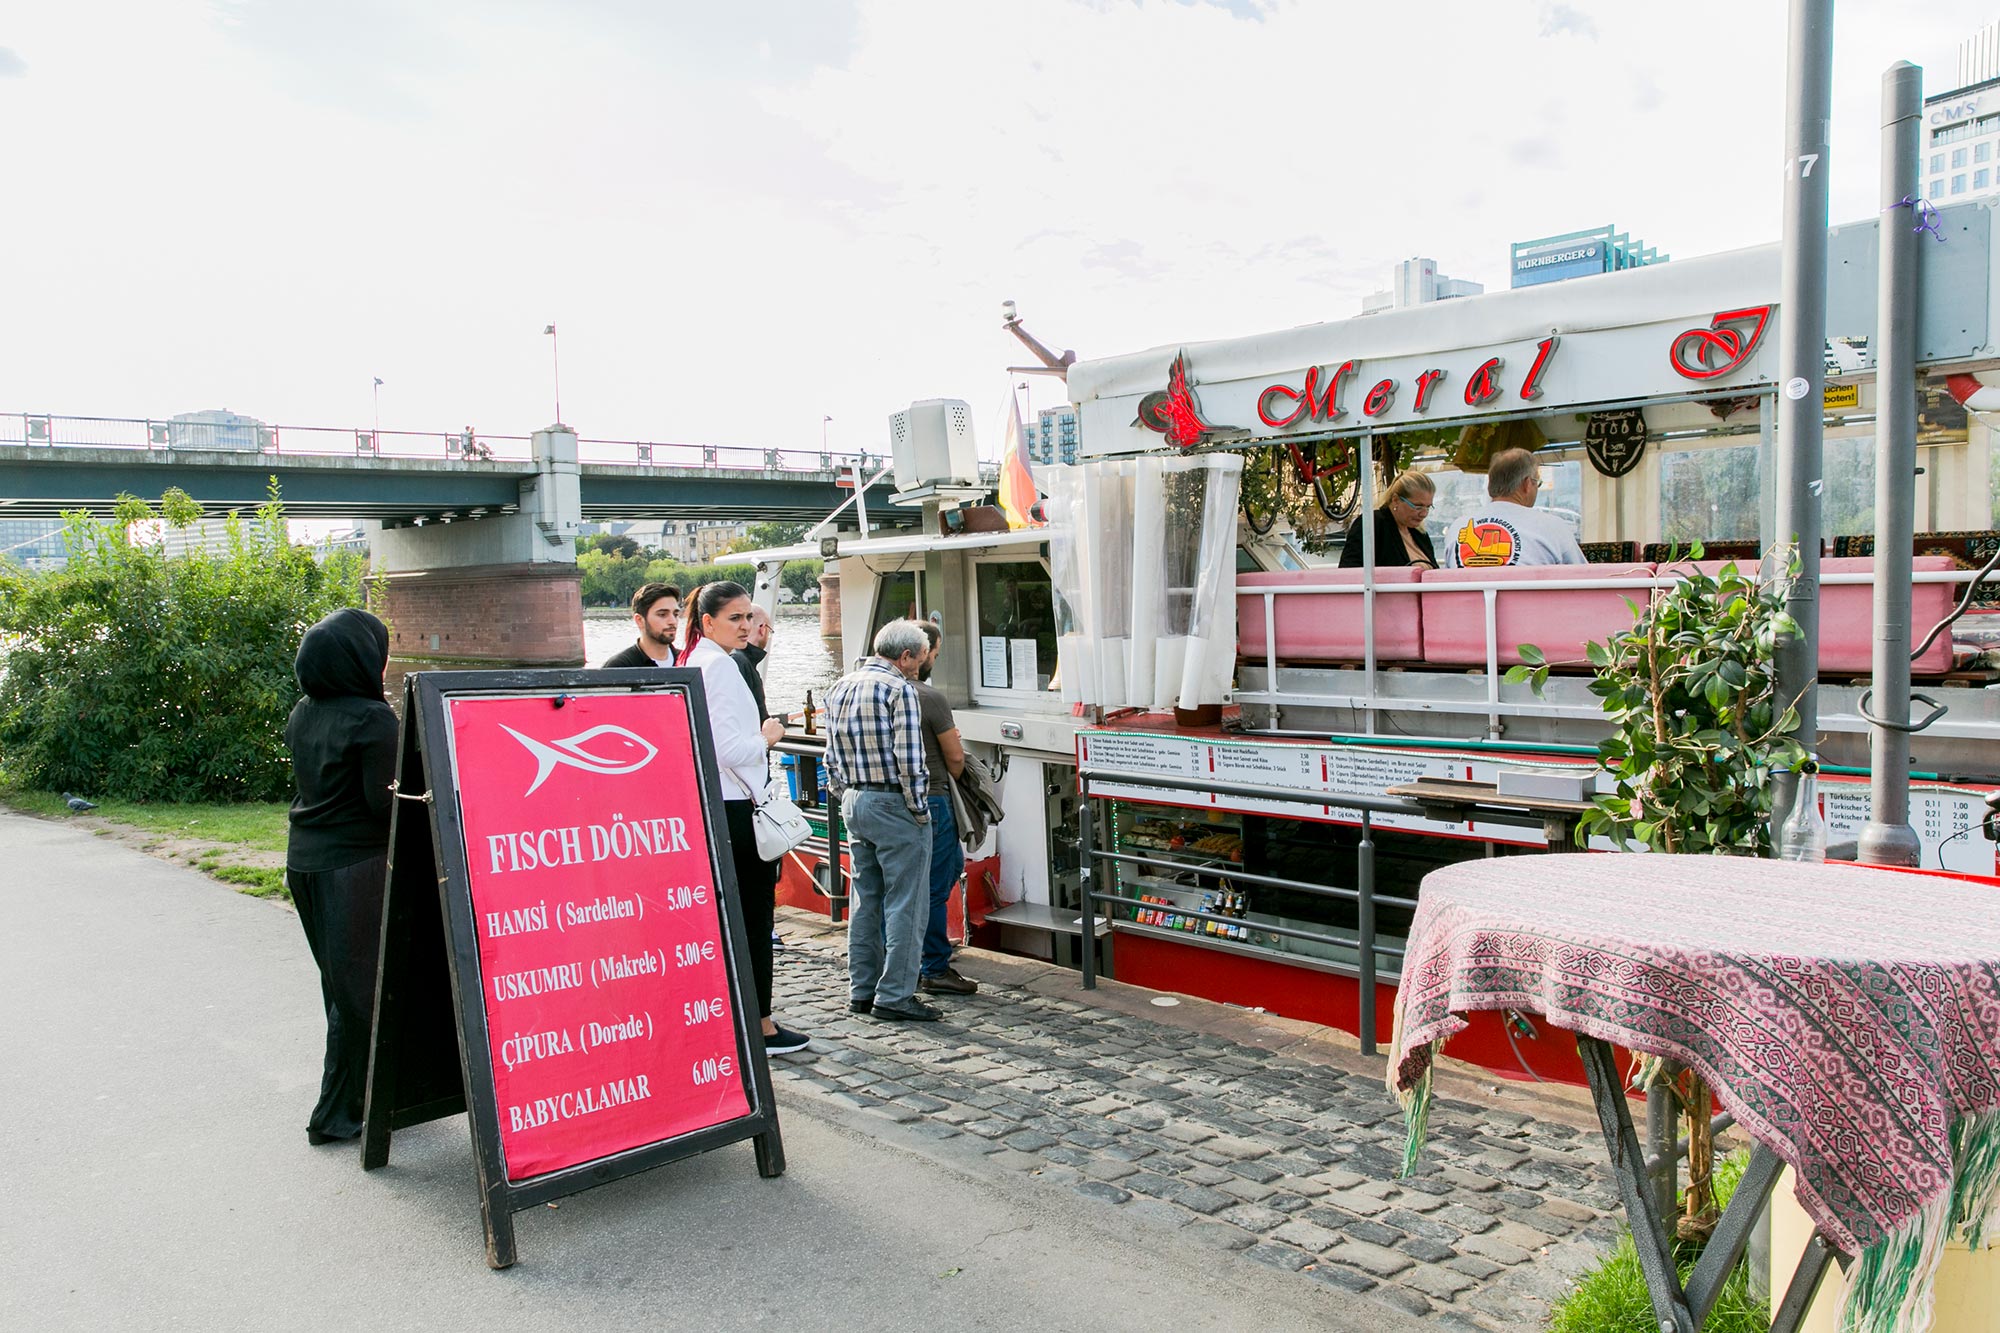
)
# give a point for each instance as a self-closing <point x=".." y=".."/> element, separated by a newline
<point x="799" y="659"/>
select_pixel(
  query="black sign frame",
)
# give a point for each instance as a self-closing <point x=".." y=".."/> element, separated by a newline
<point x="1615" y="452"/>
<point x="428" y="994"/>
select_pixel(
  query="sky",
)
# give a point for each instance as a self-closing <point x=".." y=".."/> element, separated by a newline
<point x="750" y="216"/>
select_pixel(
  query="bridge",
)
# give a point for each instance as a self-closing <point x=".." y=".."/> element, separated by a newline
<point x="398" y="478"/>
<point x="471" y="536"/>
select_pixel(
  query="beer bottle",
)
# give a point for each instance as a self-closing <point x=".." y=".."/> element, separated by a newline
<point x="809" y="713"/>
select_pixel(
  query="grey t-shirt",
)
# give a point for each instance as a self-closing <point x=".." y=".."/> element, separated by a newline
<point x="937" y="720"/>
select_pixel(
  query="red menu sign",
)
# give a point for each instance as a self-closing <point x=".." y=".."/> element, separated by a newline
<point x="602" y="961"/>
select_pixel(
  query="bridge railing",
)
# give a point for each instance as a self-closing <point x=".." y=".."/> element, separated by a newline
<point x="36" y="430"/>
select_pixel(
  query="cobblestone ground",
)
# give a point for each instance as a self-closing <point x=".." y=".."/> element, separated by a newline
<point x="1282" y="1161"/>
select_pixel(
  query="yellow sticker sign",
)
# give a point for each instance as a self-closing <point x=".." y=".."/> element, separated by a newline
<point x="1842" y="395"/>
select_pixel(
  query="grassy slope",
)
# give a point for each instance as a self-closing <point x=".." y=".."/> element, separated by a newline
<point x="230" y="831"/>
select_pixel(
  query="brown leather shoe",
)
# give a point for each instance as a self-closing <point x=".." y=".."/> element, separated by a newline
<point x="948" y="982"/>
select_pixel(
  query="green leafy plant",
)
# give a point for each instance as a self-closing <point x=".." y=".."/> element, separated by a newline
<point x="1692" y="693"/>
<point x="137" y="675"/>
<point x="1612" y="1298"/>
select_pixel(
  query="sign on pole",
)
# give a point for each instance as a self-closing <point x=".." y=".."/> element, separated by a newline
<point x="562" y="950"/>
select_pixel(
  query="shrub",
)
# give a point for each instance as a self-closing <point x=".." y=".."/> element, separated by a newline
<point x="142" y="676"/>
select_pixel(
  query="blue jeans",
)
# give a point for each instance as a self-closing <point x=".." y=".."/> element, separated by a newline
<point x="947" y="864"/>
<point x="889" y="853"/>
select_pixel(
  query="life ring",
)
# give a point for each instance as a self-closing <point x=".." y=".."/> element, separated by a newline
<point x="1978" y="393"/>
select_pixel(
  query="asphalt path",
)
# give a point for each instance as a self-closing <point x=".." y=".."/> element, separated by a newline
<point x="164" y="1040"/>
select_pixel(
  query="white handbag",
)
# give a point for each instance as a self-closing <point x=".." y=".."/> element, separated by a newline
<point x="778" y="823"/>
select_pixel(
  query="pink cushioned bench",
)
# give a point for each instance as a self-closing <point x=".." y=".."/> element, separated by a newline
<point x="1558" y="622"/>
<point x="1418" y="616"/>
<point x="1328" y="627"/>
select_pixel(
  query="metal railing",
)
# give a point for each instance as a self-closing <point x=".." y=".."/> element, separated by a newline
<point x="829" y="848"/>
<point x="1492" y="707"/>
<point x="36" y="430"/>
<point x="1363" y="895"/>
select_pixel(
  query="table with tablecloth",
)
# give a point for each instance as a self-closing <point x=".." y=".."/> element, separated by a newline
<point x="1849" y="1018"/>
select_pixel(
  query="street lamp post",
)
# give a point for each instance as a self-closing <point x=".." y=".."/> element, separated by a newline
<point x="555" y="363"/>
<point x="378" y="405"/>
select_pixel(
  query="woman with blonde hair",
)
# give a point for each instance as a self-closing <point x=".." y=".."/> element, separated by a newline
<point x="1399" y="517"/>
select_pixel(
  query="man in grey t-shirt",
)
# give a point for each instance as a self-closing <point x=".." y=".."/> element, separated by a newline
<point x="944" y="756"/>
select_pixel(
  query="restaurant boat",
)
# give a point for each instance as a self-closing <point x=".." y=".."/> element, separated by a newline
<point x="1202" y="723"/>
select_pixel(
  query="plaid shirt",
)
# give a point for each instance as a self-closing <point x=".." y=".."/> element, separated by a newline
<point x="874" y="732"/>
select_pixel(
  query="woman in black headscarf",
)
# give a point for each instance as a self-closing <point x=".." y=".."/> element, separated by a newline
<point x="343" y="742"/>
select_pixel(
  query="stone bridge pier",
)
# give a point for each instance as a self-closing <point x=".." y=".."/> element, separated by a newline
<point x="498" y="590"/>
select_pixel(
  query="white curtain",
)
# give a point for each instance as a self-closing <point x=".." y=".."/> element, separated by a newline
<point x="1143" y="553"/>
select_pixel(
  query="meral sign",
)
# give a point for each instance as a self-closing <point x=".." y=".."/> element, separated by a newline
<point x="1246" y="391"/>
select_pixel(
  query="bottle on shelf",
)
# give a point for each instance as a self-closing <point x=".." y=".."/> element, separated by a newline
<point x="1803" y="837"/>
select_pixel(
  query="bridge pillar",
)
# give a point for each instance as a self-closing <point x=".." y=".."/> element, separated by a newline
<point x="501" y="590"/>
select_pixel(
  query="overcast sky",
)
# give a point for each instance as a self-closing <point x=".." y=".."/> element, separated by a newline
<point x="744" y="216"/>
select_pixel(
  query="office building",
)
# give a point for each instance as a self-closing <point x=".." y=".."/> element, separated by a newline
<point x="1417" y="281"/>
<point x="1577" y="254"/>
<point x="1051" y="436"/>
<point x="1961" y="129"/>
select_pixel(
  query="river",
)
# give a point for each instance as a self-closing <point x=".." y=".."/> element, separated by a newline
<point x="799" y="658"/>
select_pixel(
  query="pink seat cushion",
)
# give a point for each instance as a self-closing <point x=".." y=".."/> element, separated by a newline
<point x="1328" y="626"/>
<point x="1558" y="622"/>
<point x="1847" y="616"/>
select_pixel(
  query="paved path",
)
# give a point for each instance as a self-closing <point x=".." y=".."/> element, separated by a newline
<point x="1285" y="1159"/>
<point x="1035" y="1161"/>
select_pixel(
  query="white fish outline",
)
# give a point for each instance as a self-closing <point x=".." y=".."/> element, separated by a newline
<point x="569" y="750"/>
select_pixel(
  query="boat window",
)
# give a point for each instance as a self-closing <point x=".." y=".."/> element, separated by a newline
<point x="1460" y="493"/>
<point x="1709" y="495"/>
<point x="1847" y="506"/>
<point x="895" y="599"/>
<point x="1017" y="627"/>
<point x="1245" y="562"/>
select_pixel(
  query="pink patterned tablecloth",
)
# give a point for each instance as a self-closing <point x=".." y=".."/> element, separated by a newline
<point x="1849" y="1018"/>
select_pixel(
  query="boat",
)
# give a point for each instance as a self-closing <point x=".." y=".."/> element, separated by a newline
<point x="1236" y="761"/>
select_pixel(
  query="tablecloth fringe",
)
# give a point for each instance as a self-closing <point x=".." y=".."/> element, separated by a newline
<point x="1416" y="1102"/>
<point x="1890" y="1287"/>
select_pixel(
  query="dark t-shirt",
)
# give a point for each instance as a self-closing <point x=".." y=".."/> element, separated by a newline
<point x="937" y="719"/>
<point x="632" y="656"/>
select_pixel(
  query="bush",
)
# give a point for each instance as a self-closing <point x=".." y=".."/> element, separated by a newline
<point x="146" y="677"/>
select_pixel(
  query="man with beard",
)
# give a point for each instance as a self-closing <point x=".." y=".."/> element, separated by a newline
<point x="656" y="613"/>
<point x="944" y="756"/>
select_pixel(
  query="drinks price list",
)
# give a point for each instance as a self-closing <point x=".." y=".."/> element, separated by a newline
<point x="603" y="965"/>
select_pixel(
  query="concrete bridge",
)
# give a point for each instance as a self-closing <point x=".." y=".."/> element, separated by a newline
<point x="472" y="537"/>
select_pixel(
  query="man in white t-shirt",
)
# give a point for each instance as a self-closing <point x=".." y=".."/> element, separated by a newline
<point x="1509" y="530"/>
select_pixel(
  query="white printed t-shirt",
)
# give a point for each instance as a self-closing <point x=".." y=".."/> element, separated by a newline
<point x="1505" y="533"/>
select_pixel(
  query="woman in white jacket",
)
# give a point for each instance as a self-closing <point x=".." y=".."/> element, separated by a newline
<point x="719" y="625"/>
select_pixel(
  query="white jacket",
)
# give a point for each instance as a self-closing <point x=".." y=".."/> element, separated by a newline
<point x="740" y="752"/>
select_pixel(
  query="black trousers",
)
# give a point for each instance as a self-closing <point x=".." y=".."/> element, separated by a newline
<point x="756" y="889"/>
<point x="341" y="911"/>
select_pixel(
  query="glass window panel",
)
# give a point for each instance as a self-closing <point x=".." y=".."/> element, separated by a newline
<point x="1015" y="602"/>
<point x="1979" y="178"/>
<point x="1847" y="504"/>
<point x="1981" y="152"/>
<point x="1937" y="162"/>
<point x="896" y="600"/>
<point x="1958" y="184"/>
<point x="1957" y="158"/>
<point x="1709" y="495"/>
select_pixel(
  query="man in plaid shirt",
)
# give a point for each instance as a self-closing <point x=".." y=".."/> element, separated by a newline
<point x="875" y="762"/>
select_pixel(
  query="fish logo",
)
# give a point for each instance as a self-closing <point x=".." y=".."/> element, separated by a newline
<point x="570" y="750"/>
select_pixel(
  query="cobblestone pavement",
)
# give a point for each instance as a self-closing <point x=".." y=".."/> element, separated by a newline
<point x="1282" y="1160"/>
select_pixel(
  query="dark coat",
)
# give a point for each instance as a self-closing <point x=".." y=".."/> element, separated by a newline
<point x="632" y="656"/>
<point x="342" y="736"/>
<point x="746" y="659"/>
<point x="1389" y="548"/>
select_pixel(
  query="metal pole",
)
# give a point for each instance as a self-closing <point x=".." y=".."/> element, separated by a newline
<point x="1887" y="838"/>
<point x="1802" y="357"/>
<point x="1364" y="448"/>
<point x="1086" y="838"/>
<point x="1364" y="865"/>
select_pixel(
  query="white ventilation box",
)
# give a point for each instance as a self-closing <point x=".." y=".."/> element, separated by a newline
<point x="932" y="441"/>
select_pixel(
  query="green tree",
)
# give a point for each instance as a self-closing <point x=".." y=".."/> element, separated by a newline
<point x="769" y="536"/>
<point x="142" y="676"/>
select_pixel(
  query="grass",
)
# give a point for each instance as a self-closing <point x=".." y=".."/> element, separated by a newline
<point x="1612" y="1297"/>
<point x="229" y="830"/>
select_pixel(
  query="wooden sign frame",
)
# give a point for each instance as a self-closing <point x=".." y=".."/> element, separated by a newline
<point x="430" y="1052"/>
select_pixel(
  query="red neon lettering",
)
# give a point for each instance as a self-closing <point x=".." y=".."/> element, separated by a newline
<point x="1312" y="403"/>
<point x="1425" y="383"/>
<point x="1484" y="386"/>
<point x="1379" y="398"/>
<point x="1531" y="387"/>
